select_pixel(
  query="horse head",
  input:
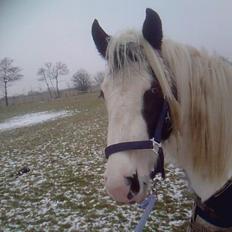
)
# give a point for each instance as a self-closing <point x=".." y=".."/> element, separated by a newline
<point x="134" y="99"/>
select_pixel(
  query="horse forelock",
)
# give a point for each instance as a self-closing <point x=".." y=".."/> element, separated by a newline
<point x="124" y="50"/>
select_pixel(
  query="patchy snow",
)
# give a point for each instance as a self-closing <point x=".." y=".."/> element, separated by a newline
<point x="31" y="119"/>
<point x="64" y="191"/>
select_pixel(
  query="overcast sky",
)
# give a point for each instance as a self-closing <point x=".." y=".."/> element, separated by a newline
<point x="33" y="32"/>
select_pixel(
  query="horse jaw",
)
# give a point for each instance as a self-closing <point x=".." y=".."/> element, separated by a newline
<point x="124" y="102"/>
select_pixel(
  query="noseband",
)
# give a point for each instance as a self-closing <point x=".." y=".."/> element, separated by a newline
<point x="152" y="144"/>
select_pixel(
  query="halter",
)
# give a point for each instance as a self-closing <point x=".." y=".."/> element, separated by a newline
<point x="152" y="144"/>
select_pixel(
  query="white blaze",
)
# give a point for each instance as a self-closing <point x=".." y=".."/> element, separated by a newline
<point x="124" y="102"/>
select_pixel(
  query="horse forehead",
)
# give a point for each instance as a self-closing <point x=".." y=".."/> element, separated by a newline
<point x="128" y="82"/>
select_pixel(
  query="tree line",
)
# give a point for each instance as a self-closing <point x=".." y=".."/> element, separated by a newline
<point x="50" y="75"/>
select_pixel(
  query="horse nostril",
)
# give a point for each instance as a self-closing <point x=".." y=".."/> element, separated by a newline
<point x="133" y="181"/>
<point x="129" y="196"/>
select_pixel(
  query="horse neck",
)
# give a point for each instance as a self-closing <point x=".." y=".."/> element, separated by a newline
<point x="201" y="146"/>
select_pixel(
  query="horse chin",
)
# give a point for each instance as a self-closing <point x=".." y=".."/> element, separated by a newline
<point x="121" y="199"/>
<point x="140" y="197"/>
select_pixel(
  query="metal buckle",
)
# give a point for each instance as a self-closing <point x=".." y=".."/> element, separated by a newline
<point x="156" y="146"/>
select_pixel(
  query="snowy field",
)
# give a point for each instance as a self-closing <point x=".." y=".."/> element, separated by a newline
<point x="63" y="191"/>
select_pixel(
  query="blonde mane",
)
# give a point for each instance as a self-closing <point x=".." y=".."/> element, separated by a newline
<point x="202" y="113"/>
<point x="203" y="85"/>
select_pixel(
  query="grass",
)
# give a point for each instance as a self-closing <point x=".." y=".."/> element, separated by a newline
<point x="64" y="189"/>
<point x="69" y="103"/>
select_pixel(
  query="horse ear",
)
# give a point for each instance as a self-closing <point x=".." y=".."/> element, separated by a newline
<point x="152" y="29"/>
<point x="100" y="38"/>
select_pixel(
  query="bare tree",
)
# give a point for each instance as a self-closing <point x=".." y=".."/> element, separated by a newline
<point x="81" y="80"/>
<point x="50" y="73"/>
<point x="98" y="78"/>
<point x="8" y="73"/>
<point x="59" y="69"/>
<point x="42" y="72"/>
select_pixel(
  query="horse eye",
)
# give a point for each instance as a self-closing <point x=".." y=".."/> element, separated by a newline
<point x="153" y="90"/>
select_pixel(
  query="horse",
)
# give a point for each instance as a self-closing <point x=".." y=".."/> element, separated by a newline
<point x="183" y="94"/>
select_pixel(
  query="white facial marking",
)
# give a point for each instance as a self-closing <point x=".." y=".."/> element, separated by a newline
<point x="124" y="102"/>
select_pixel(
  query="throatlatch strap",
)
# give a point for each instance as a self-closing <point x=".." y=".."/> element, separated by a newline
<point x="159" y="168"/>
<point x="160" y="124"/>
